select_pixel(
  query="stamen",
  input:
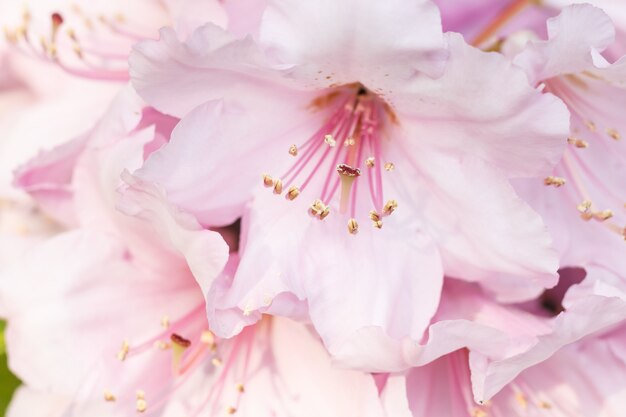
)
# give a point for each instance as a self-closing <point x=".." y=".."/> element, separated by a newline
<point x="521" y="399"/>
<point x="545" y="405"/>
<point x="293" y="150"/>
<point x="389" y="166"/>
<point x="353" y="227"/>
<point x="374" y="216"/>
<point x="370" y="162"/>
<point x="141" y="404"/>
<point x="579" y="143"/>
<point x="330" y="141"/>
<point x="108" y="396"/>
<point x="585" y="210"/>
<point x="165" y="322"/>
<point x="590" y="125"/>
<point x="278" y="187"/>
<point x="477" y="412"/>
<point x="231" y="410"/>
<point x="614" y="134"/>
<point x="603" y="215"/>
<point x="123" y="352"/>
<point x="390" y="207"/>
<point x="554" y="181"/>
<point x="268" y="181"/>
<point x="292" y="193"/>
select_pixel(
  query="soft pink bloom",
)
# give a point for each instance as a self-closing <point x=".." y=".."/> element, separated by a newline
<point x="62" y="57"/>
<point x="445" y="125"/>
<point x="580" y="379"/>
<point x="583" y="202"/>
<point x="118" y="278"/>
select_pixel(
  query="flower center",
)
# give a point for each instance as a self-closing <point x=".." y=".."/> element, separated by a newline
<point x="344" y="152"/>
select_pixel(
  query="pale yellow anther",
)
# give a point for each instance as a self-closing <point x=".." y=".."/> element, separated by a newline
<point x="141" y="405"/>
<point x="10" y="36"/>
<point x="316" y="208"/>
<point x="369" y="162"/>
<point x="603" y="215"/>
<point x="590" y="125"/>
<point x="477" y="412"/>
<point x="579" y="143"/>
<point x="390" y="207"/>
<point x="78" y="51"/>
<point x="584" y="206"/>
<point x="545" y="405"/>
<point x="165" y="322"/>
<point x="349" y="142"/>
<point x="554" y="181"/>
<point x="161" y="345"/>
<point x="585" y="210"/>
<point x="231" y="410"/>
<point x="123" y="352"/>
<point x="108" y="396"/>
<point x="325" y="212"/>
<point x="217" y="362"/>
<point x="71" y="34"/>
<point x="374" y="216"/>
<point x="268" y="181"/>
<point x="278" y="187"/>
<point x="614" y="134"/>
<point x="292" y="193"/>
<point x="240" y="388"/>
<point x="389" y="166"/>
<point x="521" y="399"/>
<point x="378" y="224"/>
<point x="330" y="141"/>
<point x="207" y="337"/>
<point x="293" y="150"/>
<point x="353" y="226"/>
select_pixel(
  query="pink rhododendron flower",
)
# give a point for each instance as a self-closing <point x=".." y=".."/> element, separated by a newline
<point x="146" y="325"/>
<point x="583" y="202"/>
<point x="377" y="125"/>
<point x="581" y="378"/>
<point x="289" y="208"/>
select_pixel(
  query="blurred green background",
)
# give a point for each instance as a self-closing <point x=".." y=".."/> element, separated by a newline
<point x="8" y="382"/>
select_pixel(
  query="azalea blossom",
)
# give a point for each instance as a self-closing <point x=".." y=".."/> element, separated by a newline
<point x="582" y="201"/>
<point x="144" y="345"/>
<point x="289" y="208"/>
<point x="397" y="140"/>
<point x="581" y="378"/>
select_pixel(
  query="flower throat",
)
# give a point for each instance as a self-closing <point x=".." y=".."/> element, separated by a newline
<point x="347" y="148"/>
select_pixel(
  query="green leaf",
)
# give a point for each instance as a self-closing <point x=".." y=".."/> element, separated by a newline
<point x="8" y="381"/>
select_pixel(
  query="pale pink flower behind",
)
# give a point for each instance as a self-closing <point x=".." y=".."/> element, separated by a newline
<point x="573" y="370"/>
<point x="583" y="199"/>
<point x="62" y="57"/>
<point x="119" y="306"/>
<point x="431" y="125"/>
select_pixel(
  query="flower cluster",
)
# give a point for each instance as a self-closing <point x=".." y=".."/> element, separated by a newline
<point x="291" y="208"/>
